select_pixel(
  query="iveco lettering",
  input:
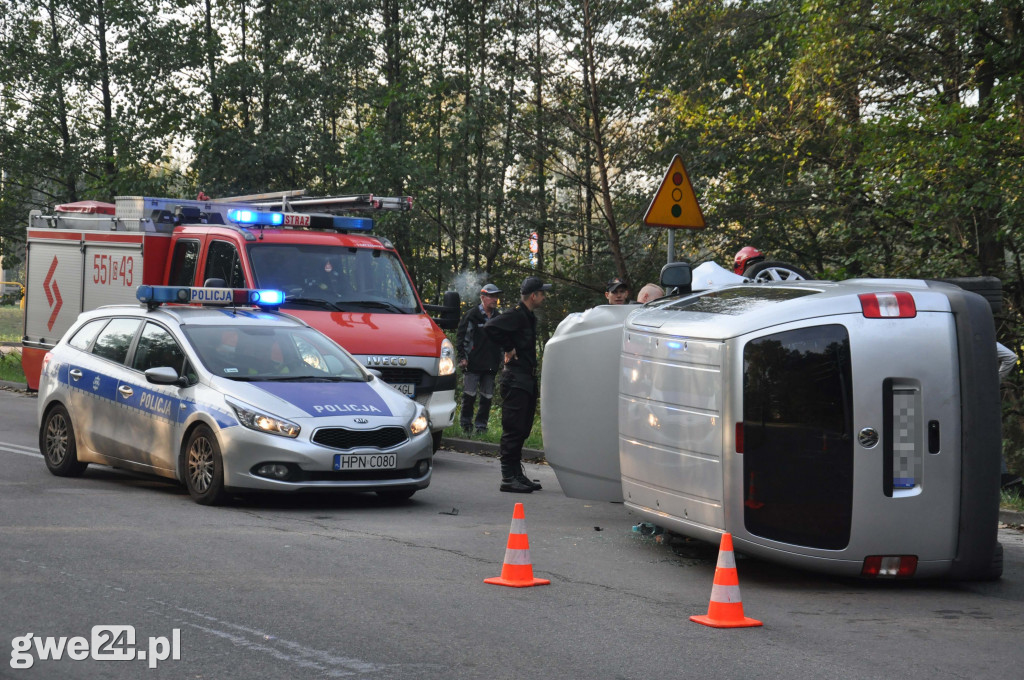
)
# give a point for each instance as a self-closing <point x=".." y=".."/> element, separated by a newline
<point x="225" y="397"/>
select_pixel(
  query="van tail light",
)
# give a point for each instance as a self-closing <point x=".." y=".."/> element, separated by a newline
<point x="739" y="437"/>
<point x="899" y="305"/>
<point x="889" y="566"/>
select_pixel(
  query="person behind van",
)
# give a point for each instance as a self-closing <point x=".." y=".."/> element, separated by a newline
<point x="617" y="292"/>
<point x="479" y="358"/>
<point x="651" y="291"/>
<point x="515" y="332"/>
<point x="1007" y="362"/>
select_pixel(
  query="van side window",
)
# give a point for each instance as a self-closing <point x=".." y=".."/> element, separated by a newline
<point x="116" y="338"/>
<point x="222" y="263"/>
<point x="798" y="437"/>
<point x="157" y="348"/>
<point x="183" y="264"/>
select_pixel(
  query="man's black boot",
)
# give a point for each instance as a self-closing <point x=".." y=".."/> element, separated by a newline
<point x="510" y="480"/>
<point x="466" y="417"/>
<point x="483" y="414"/>
<point x="521" y="476"/>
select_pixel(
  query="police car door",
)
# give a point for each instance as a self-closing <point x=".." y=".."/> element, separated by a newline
<point x="150" y="434"/>
<point x="104" y="421"/>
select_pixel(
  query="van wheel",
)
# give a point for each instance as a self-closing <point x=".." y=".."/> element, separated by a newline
<point x="57" y="444"/>
<point x="776" y="271"/>
<point x="988" y="287"/>
<point x="204" y="468"/>
<point x="435" y="437"/>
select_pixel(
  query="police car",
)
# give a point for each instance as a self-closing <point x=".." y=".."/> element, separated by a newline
<point x="227" y="396"/>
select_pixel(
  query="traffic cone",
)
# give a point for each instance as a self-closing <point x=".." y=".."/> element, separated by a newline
<point x="517" y="571"/>
<point x="726" y="607"/>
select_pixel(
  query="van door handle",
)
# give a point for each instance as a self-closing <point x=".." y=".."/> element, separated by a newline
<point x="75" y="373"/>
<point x="125" y="391"/>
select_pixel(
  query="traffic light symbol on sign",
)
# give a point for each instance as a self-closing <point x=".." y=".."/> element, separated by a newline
<point x="675" y="204"/>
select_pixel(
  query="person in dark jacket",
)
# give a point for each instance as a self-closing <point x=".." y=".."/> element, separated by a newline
<point x="479" y="359"/>
<point x="515" y="332"/>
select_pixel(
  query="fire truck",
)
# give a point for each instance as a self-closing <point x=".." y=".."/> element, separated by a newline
<point x="337" y="276"/>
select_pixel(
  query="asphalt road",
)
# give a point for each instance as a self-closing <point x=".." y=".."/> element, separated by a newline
<point x="348" y="586"/>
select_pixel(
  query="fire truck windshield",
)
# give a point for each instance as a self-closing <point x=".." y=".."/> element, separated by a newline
<point x="334" y="277"/>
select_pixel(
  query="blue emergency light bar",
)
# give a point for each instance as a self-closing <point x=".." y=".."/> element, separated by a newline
<point x="157" y="295"/>
<point x="353" y="223"/>
<point x="270" y="219"/>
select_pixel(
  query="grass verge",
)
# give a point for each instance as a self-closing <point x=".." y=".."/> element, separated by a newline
<point x="1011" y="500"/>
<point x="10" y="324"/>
<point x="10" y="367"/>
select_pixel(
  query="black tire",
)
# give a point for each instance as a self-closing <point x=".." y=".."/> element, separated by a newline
<point x="988" y="287"/>
<point x="776" y="271"/>
<point x="204" y="468"/>
<point x="57" y="444"/>
<point x="435" y="437"/>
<point x="396" y="495"/>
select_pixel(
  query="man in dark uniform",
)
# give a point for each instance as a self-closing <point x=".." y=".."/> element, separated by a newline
<point x="479" y="358"/>
<point x="515" y="332"/>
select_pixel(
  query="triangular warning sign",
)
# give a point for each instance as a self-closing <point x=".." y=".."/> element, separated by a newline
<point x="675" y="204"/>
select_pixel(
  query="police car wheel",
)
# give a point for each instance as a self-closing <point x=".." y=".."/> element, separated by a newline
<point x="204" y="468"/>
<point x="57" y="442"/>
<point x="396" y="494"/>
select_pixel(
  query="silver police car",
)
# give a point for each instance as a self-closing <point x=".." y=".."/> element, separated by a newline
<point x="225" y="398"/>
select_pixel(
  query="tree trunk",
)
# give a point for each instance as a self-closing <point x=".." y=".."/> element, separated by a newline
<point x="602" y="166"/>
<point x="67" y="173"/>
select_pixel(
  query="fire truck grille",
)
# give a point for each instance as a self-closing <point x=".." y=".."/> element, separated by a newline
<point x="401" y="375"/>
<point x="341" y="438"/>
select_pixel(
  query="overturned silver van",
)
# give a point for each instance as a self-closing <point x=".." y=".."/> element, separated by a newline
<point x="845" y="427"/>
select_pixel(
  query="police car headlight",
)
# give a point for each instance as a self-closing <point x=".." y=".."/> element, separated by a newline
<point x="419" y="424"/>
<point x="447" y="364"/>
<point x="262" y="422"/>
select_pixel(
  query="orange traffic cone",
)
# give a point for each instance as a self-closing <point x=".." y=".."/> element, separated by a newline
<point x="726" y="607"/>
<point x="517" y="571"/>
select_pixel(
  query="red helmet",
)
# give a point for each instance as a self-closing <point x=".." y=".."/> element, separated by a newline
<point x="746" y="256"/>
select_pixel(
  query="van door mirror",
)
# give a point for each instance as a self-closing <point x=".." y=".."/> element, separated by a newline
<point x="678" y="276"/>
<point x="449" y="310"/>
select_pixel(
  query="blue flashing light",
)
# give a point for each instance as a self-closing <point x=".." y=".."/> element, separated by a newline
<point x="257" y="217"/>
<point x="157" y="295"/>
<point x="266" y="297"/>
<point x="162" y="294"/>
<point x="353" y="223"/>
<point x="672" y="344"/>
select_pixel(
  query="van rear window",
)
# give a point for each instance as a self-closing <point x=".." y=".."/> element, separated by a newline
<point x="736" y="301"/>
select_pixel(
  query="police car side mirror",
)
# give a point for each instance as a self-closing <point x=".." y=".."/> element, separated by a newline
<point x="163" y="375"/>
<point x="375" y="373"/>
<point x="678" y="275"/>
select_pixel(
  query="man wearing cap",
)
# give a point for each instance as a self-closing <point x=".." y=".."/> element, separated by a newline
<point x="479" y="358"/>
<point x="515" y="332"/>
<point x="617" y="292"/>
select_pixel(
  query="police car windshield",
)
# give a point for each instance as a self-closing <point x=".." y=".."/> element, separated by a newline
<point x="342" y="278"/>
<point x="256" y="353"/>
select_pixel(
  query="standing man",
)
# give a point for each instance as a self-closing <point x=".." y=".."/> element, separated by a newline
<point x="618" y="291"/>
<point x="479" y="359"/>
<point x="515" y="332"/>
